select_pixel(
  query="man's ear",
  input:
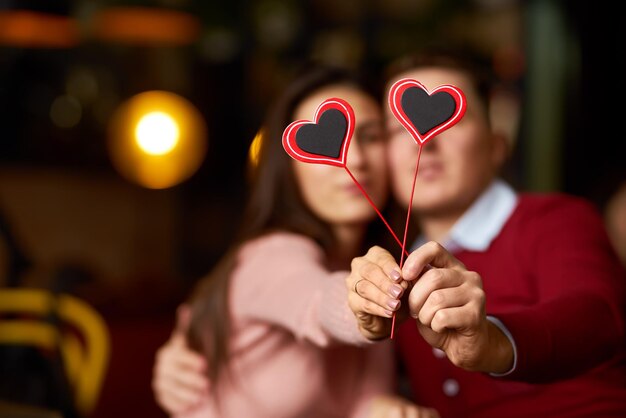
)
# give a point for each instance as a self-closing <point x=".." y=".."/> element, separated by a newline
<point x="504" y="117"/>
<point x="501" y="148"/>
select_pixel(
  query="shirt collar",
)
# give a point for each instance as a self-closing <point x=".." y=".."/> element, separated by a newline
<point x="483" y="221"/>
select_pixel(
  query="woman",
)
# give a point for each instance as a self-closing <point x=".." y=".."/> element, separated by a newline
<point x="523" y="314"/>
<point x="272" y="321"/>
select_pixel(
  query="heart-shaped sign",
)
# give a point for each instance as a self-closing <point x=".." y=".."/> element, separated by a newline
<point x="425" y="114"/>
<point x="326" y="139"/>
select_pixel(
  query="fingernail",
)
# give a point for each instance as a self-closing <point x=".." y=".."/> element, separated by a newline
<point x="393" y="303"/>
<point x="395" y="275"/>
<point x="395" y="290"/>
<point x="389" y="313"/>
<point x="414" y="315"/>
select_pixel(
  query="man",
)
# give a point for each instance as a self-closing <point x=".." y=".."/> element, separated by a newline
<point x="518" y="299"/>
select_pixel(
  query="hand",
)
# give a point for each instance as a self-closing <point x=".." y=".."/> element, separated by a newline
<point x="397" y="407"/>
<point x="448" y="303"/>
<point x="374" y="291"/>
<point x="179" y="381"/>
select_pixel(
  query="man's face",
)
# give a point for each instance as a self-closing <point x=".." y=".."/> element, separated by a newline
<point x="456" y="165"/>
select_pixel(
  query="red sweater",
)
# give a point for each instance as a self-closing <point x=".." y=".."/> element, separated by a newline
<point x="553" y="279"/>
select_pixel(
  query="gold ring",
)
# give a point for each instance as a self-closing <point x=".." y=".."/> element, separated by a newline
<point x="355" y="287"/>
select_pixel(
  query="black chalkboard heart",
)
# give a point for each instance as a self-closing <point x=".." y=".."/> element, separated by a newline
<point x="425" y="114"/>
<point x="326" y="139"/>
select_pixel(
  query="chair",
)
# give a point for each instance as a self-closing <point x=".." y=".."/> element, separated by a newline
<point x="81" y="335"/>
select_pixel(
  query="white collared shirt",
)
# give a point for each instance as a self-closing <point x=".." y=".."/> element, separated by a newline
<point x="482" y="222"/>
<point x="476" y="230"/>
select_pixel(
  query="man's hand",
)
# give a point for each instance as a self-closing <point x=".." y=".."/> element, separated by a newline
<point x="448" y="303"/>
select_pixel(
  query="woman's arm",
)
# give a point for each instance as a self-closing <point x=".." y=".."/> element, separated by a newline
<point x="282" y="279"/>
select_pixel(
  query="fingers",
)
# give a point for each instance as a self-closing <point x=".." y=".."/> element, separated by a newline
<point x="361" y="305"/>
<point x="184" y="359"/>
<point x="183" y="318"/>
<point x="380" y="268"/>
<point x="374" y="283"/>
<point x="414" y="411"/>
<point x="450" y="299"/>
<point x="397" y="407"/>
<point x="428" y="413"/>
<point x="373" y="321"/>
<point x="461" y="318"/>
<point x="464" y="300"/>
<point x="175" y="398"/>
<point x="172" y="406"/>
<point x="430" y="254"/>
<point x="385" y="260"/>
<point x="178" y="379"/>
<point x="431" y="281"/>
<point x="192" y="379"/>
<point x="374" y="288"/>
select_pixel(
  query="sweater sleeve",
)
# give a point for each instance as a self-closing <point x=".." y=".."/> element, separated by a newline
<point x="581" y="285"/>
<point x="281" y="279"/>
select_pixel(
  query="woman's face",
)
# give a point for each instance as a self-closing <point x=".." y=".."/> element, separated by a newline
<point x="329" y="191"/>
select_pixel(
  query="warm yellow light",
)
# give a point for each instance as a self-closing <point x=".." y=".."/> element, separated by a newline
<point x="157" y="139"/>
<point x="157" y="133"/>
<point x="255" y="149"/>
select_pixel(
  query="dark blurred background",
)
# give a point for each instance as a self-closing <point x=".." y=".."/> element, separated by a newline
<point x="69" y="70"/>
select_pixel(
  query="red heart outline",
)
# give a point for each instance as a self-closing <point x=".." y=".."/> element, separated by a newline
<point x="289" y="134"/>
<point x="395" y="104"/>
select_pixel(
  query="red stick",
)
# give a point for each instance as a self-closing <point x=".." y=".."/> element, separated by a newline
<point x="380" y="215"/>
<point x="406" y="228"/>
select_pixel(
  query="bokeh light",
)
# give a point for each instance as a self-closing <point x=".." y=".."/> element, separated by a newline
<point x="157" y="133"/>
<point x="65" y="111"/>
<point x="157" y="139"/>
<point x="255" y="149"/>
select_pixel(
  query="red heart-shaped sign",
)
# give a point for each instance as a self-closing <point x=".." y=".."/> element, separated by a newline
<point x="326" y="139"/>
<point x="425" y="114"/>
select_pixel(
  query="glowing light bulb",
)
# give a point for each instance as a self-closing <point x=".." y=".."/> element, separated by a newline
<point x="157" y="133"/>
<point x="157" y="139"/>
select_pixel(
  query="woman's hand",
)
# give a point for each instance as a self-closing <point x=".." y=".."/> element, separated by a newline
<point x="179" y="381"/>
<point x="397" y="407"/>
<point x="374" y="291"/>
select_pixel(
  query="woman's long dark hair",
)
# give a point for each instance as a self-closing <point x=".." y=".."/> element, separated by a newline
<point x="275" y="203"/>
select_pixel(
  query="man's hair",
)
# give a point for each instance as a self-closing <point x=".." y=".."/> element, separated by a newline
<point x="456" y="57"/>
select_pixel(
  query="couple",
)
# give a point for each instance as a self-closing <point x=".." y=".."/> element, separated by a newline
<point x="510" y="304"/>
